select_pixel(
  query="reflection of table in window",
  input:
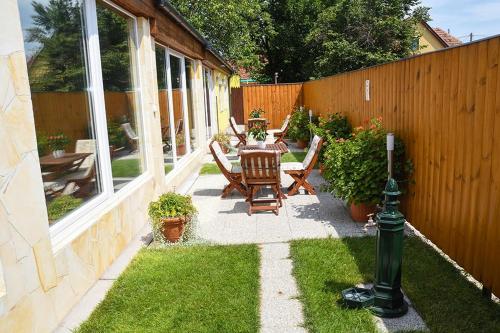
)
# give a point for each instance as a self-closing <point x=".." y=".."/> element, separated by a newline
<point x="56" y="167"/>
<point x="281" y="147"/>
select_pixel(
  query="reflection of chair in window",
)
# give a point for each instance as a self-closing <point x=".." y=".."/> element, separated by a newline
<point x="79" y="184"/>
<point x="132" y="137"/>
<point x="179" y="127"/>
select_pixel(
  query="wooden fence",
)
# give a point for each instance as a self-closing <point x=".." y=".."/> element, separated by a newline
<point x="277" y="100"/>
<point x="445" y="105"/>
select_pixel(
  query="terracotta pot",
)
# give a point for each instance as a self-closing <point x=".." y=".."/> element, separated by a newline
<point x="173" y="228"/>
<point x="224" y="148"/>
<point x="181" y="150"/>
<point x="302" y="144"/>
<point x="360" y="212"/>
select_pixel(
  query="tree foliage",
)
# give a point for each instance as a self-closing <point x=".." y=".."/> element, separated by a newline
<point x="235" y="28"/>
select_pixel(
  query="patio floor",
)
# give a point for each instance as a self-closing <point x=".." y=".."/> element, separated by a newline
<point x="225" y="221"/>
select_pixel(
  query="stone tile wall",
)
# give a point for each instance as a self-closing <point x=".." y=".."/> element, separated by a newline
<point x="37" y="286"/>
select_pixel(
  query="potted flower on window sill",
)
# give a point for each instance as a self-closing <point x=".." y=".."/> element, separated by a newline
<point x="180" y="141"/>
<point x="169" y="215"/>
<point x="258" y="133"/>
<point x="57" y="144"/>
<point x="356" y="169"/>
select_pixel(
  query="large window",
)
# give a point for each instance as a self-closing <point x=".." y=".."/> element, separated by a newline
<point x="119" y="74"/>
<point x="73" y="108"/>
<point x="62" y="105"/>
<point x="190" y="75"/>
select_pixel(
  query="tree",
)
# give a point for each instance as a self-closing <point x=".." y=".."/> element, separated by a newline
<point x="235" y="28"/>
<point x="353" y="34"/>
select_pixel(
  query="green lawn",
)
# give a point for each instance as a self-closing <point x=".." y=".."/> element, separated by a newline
<point x="126" y="168"/>
<point x="183" y="289"/>
<point x="446" y="301"/>
<point x="293" y="157"/>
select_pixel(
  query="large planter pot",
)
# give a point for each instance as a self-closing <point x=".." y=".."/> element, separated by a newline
<point x="302" y="143"/>
<point x="360" y="212"/>
<point x="181" y="150"/>
<point x="173" y="228"/>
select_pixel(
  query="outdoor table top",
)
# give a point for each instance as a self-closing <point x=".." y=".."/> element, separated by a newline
<point x="281" y="147"/>
<point x="67" y="158"/>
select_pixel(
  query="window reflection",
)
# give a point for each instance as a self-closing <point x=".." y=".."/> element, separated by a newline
<point x="119" y="72"/>
<point x="190" y="76"/>
<point x="176" y="77"/>
<point x="55" y="53"/>
<point x="166" y="133"/>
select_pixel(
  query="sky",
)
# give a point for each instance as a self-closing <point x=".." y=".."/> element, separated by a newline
<point x="481" y="17"/>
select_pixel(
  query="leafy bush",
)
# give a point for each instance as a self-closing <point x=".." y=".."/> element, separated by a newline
<point x="62" y="205"/>
<point x="332" y="128"/>
<point x="299" y="124"/>
<point x="171" y="204"/>
<point x="256" y="113"/>
<point x="42" y="143"/>
<point x="258" y="131"/>
<point x="116" y="135"/>
<point x="223" y="139"/>
<point x="356" y="169"/>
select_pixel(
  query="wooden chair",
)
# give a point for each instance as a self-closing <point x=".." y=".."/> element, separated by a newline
<point x="300" y="171"/>
<point x="132" y="137"/>
<point x="242" y="137"/>
<point x="231" y="172"/>
<point x="78" y="184"/>
<point x="280" y="133"/>
<point x="262" y="168"/>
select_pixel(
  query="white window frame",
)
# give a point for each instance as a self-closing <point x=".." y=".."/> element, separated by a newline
<point x="69" y="227"/>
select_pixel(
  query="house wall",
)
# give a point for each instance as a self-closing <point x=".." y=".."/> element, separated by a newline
<point x="42" y="277"/>
<point x="221" y="83"/>
<point x="427" y="41"/>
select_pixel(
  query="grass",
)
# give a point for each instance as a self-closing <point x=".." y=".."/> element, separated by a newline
<point x="126" y="168"/>
<point x="183" y="289"/>
<point x="296" y="156"/>
<point x="444" y="298"/>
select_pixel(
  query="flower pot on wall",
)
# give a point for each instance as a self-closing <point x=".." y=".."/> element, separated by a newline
<point x="302" y="143"/>
<point x="173" y="228"/>
<point x="360" y="212"/>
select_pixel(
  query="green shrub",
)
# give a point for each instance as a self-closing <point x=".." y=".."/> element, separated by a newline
<point x="332" y="128"/>
<point x="42" y="143"/>
<point x="256" y="113"/>
<point x="223" y="139"/>
<point x="299" y="124"/>
<point x="62" y="205"/>
<point x="171" y="204"/>
<point x="116" y="135"/>
<point x="356" y="169"/>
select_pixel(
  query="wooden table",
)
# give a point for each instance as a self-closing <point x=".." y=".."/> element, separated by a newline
<point x="62" y="164"/>
<point x="281" y="147"/>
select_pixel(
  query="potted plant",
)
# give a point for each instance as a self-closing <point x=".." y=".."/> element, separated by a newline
<point x="224" y="141"/>
<point x="180" y="141"/>
<point x="332" y="128"/>
<point x="256" y="113"/>
<point x="169" y="215"/>
<point x="299" y="129"/>
<point x="356" y="168"/>
<point x="258" y="133"/>
<point x="57" y="144"/>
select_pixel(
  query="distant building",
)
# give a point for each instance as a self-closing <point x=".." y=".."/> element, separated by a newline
<point x="432" y="39"/>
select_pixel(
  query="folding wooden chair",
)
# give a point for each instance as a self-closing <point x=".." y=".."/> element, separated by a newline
<point x="300" y="171"/>
<point x="231" y="172"/>
<point x="132" y="137"/>
<point x="280" y="133"/>
<point x="262" y="168"/>
<point x="242" y="137"/>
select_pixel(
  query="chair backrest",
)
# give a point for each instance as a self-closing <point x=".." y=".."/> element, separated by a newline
<point x="234" y="126"/>
<point x="285" y="125"/>
<point x="219" y="157"/>
<point x="129" y="131"/>
<point x="86" y="146"/>
<point x="179" y="126"/>
<point x="260" y="166"/>
<point x="312" y="154"/>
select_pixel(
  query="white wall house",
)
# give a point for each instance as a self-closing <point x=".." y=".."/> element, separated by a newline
<point x="104" y="105"/>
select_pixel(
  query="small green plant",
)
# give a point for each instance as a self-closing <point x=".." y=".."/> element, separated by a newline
<point x="116" y="135"/>
<point x="256" y="113"/>
<point x="258" y="132"/>
<point x="57" y="142"/>
<point x="62" y="205"/>
<point x="299" y="124"/>
<point x="356" y="169"/>
<point x="42" y="143"/>
<point x="223" y="139"/>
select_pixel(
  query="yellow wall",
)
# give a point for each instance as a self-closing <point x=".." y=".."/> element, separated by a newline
<point x="427" y="41"/>
<point x="234" y="81"/>
<point x="222" y="92"/>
